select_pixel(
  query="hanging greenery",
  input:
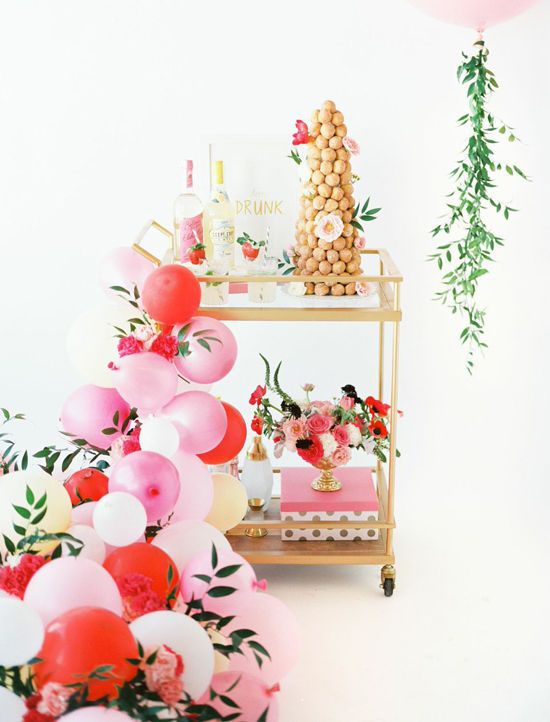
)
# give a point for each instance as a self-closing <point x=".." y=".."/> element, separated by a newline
<point x="470" y="253"/>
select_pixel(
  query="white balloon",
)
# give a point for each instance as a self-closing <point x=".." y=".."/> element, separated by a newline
<point x="22" y="632"/>
<point x="94" y="547"/>
<point x="185" y="637"/>
<point x="160" y="435"/>
<point x="182" y="540"/>
<point x="12" y="707"/>
<point x="91" y="342"/>
<point x="119" y="518"/>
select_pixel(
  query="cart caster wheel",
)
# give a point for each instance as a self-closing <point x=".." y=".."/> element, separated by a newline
<point x="387" y="579"/>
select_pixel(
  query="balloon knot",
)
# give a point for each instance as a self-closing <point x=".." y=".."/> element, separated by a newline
<point x="112" y="366"/>
<point x="261" y="585"/>
<point x="273" y="690"/>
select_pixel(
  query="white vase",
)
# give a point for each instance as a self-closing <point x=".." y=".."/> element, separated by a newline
<point x="257" y="475"/>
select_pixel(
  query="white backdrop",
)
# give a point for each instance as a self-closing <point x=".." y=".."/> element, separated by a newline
<point x="101" y="103"/>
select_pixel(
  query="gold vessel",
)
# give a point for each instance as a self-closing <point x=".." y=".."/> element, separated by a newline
<point x="326" y="481"/>
<point x="256" y="532"/>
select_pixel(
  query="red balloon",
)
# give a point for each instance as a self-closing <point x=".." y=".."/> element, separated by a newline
<point x="152" y="562"/>
<point x="87" y="485"/>
<point x="80" y="641"/>
<point x="233" y="441"/>
<point x="171" y="294"/>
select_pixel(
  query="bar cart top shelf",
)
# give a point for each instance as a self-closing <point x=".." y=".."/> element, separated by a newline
<point x="382" y="305"/>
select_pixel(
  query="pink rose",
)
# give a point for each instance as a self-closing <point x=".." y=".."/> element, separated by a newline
<point x="171" y="691"/>
<point x="351" y="145"/>
<point x="341" y="456"/>
<point x="360" y="242"/>
<point x="323" y="407"/>
<point x="347" y="403"/>
<point x="55" y="698"/>
<point x="341" y="434"/>
<point x="294" y="429"/>
<point x="319" y="424"/>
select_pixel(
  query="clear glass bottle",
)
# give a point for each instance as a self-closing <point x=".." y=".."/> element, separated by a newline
<point x="219" y="221"/>
<point x="188" y="218"/>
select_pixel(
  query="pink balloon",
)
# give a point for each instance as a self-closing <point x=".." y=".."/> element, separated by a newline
<point x="251" y="694"/>
<point x="476" y="14"/>
<point x="70" y="582"/>
<point x="277" y="630"/>
<point x="96" y="714"/>
<point x="243" y="580"/>
<point x="151" y="478"/>
<point x="83" y="513"/>
<point x="89" y="410"/>
<point x="196" y="487"/>
<point x="124" y="267"/>
<point x="202" y="365"/>
<point x="200" y="419"/>
<point x="146" y="380"/>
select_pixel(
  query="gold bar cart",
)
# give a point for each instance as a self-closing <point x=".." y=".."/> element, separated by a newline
<point x="271" y="549"/>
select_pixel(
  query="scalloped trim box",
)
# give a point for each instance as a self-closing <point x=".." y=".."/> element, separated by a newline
<point x="356" y="500"/>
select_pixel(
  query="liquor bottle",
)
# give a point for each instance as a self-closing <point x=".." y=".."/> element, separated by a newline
<point x="219" y="220"/>
<point x="188" y="219"/>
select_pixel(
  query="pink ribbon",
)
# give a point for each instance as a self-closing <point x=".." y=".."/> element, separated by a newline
<point x="261" y="585"/>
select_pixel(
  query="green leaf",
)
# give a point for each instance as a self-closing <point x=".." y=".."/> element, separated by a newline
<point x="29" y="495"/>
<point x="204" y="343"/>
<point x="214" y="556"/>
<point x="19" y="529"/>
<point x="220" y="591"/>
<point x="203" y="577"/>
<point x="256" y="646"/>
<point x="228" y="570"/>
<point x="38" y="518"/>
<point x="40" y="503"/>
<point x="109" y="432"/>
<point x="22" y="511"/>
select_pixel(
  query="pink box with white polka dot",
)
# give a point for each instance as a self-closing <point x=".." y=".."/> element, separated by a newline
<point x="356" y="500"/>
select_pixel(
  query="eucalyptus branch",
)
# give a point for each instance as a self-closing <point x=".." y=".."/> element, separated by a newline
<point x="469" y="254"/>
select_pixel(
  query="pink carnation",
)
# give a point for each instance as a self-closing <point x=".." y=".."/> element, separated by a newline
<point x="341" y="456"/>
<point x="129" y="345"/>
<point x="293" y="430"/>
<point x="171" y="691"/>
<point x="319" y="424"/>
<point x="341" y="434"/>
<point x="138" y="596"/>
<point x="163" y="676"/>
<point x="166" y="346"/>
<point x="54" y="699"/>
<point x="351" y="145"/>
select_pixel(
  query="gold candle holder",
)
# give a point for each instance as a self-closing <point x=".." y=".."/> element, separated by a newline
<point x="256" y="532"/>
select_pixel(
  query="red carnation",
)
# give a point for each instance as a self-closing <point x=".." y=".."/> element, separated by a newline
<point x="313" y="453"/>
<point x="166" y="346"/>
<point x="138" y="596"/>
<point x="257" y="424"/>
<point x="34" y="716"/>
<point x="14" y="580"/>
<point x="377" y="407"/>
<point x="378" y="429"/>
<point x="302" y="134"/>
<point x="257" y="395"/>
<point x="129" y="345"/>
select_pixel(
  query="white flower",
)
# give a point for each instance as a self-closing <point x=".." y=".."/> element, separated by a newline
<point x="369" y="445"/>
<point x="116" y="452"/>
<point x="329" y="228"/>
<point x="329" y="444"/>
<point x="354" y="434"/>
<point x="304" y="404"/>
<point x="145" y="334"/>
<point x="12" y="560"/>
<point x="297" y="289"/>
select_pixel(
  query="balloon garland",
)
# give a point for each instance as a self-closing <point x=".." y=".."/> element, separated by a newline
<point x="101" y="626"/>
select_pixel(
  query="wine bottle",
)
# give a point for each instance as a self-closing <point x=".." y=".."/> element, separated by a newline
<point x="188" y="219"/>
<point x="219" y="220"/>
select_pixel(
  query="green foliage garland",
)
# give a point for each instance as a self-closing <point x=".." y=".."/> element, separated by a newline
<point x="470" y="253"/>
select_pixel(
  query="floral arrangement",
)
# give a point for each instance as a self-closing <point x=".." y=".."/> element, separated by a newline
<point x="320" y="432"/>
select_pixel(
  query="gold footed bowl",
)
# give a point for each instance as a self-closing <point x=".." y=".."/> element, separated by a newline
<point x="326" y="481"/>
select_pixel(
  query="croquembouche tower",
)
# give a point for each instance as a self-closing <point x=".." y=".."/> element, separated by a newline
<point x="325" y="236"/>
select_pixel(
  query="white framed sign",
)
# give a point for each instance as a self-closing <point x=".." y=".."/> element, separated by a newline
<point x="262" y="182"/>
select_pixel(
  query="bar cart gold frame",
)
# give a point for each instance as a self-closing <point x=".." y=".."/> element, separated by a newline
<point x="271" y="549"/>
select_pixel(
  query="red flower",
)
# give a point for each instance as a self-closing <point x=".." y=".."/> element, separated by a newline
<point x="257" y="424"/>
<point x="34" y="716"/>
<point x="313" y="453"/>
<point x="14" y="580"/>
<point x="130" y="444"/>
<point x="129" y="345"/>
<point x="166" y="346"/>
<point x="257" y="395"/>
<point x="138" y="596"/>
<point x="302" y="134"/>
<point x="377" y="407"/>
<point x="378" y="429"/>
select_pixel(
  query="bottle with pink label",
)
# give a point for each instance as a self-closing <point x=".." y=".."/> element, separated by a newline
<point x="188" y="210"/>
